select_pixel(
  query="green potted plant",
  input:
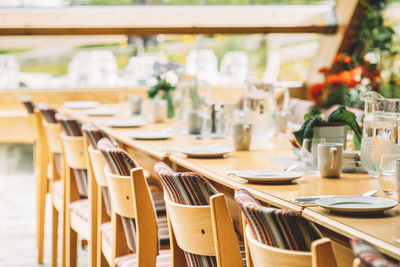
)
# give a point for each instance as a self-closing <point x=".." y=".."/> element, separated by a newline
<point x="333" y="129"/>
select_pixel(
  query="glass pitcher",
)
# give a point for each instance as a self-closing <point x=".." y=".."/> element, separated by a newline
<point x="260" y="107"/>
<point x="380" y="130"/>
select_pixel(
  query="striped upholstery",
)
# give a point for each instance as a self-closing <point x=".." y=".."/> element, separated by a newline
<point x="120" y="163"/>
<point x="48" y="113"/>
<point x="163" y="260"/>
<point x="107" y="199"/>
<point x="368" y="255"/>
<point x="106" y="230"/>
<point x="81" y="180"/>
<point x="93" y="133"/>
<point x="72" y="127"/>
<point x="187" y="188"/>
<point x="58" y="188"/>
<point x="81" y="208"/>
<point x="285" y="229"/>
<point x="28" y="103"/>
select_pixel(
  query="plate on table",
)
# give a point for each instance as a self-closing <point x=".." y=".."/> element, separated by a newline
<point x="206" y="152"/>
<point x="356" y="204"/>
<point x="150" y="135"/>
<point x="267" y="176"/>
<point x="81" y="104"/>
<point x="101" y="112"/>
<point x="125" y="123"/>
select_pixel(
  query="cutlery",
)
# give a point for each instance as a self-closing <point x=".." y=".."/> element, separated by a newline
<point x="291" y="167"/>
<point x="397" y="241"/>
<point x="312" y="199"/>
<point x="216" y="144"/>
<point x="258" y="174"/>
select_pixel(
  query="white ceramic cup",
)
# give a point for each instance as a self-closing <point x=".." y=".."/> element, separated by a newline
<point x="135" y="104"/>
<point x="241" y="135"/>
<point x="159" y="110"/>
<point x="330" y="159"/>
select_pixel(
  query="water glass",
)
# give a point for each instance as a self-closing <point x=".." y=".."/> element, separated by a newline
<point x="387" y="174"/>
<point x="159" y="110"/>
<point x="309" y="154"/>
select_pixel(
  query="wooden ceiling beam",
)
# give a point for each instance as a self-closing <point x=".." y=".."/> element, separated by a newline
<point x="150" y="20"/>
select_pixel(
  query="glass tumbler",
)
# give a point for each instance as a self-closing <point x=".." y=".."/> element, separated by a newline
<point x="309" y="154"/>
<point x="387" y="174"/>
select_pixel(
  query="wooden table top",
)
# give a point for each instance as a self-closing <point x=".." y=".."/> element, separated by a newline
<point x="272" y="155"/>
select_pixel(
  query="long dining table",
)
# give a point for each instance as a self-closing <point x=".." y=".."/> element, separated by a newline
<point x="276" y="154"/>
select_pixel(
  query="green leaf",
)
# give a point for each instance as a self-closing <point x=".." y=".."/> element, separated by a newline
<point x="343" y="115"/>
<point x="307" y="129"/>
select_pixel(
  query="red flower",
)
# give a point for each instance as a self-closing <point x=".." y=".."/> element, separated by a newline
<point x="324" y="70"/>
<point x="316" y="91"/>
<point x="337" y="58"/>
<point x="347" y="59"/>
<point x="333" y="78"/>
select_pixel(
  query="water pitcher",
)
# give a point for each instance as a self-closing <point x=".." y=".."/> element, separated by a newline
<point x="260" y="107"/>
<point x="380" y="130"/>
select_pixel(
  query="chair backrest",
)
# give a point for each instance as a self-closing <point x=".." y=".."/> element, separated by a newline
<point x="279" y="237"/>
<point x="368" y="256"/>
<point x="28" y="103"/>
<point x="192" y="227"/>
<point x="201" y="224"/>
<point x="74" y="149"/>
<point x="98" y="164"/>
<point x="53" y="133"/>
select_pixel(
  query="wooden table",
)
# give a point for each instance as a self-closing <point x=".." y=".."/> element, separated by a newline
<point x="378" y="230"/>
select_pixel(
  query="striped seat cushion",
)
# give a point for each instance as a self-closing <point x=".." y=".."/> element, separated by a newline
<point x="48" y="113"/>
<point x="368" y="255"/>
<point x="187" y="188"/>
<point x="163" y="260"/>
<point x="81" y="180"/>
<point x="58" y="188"/>
<point x="285" y="229"/>
<point x="119" y="162"/>
<point x="28" y="103"/>
<point x="72" y="127"/>
<point x="106" y="231"/>
<point x="58" y="163"/>
<point x="93" y="133"/>
<point x="81" y="208"/>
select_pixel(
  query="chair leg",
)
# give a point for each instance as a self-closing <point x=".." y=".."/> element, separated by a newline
<point x="41" y="213"/>
<point x="71" y="246"/>
<point x="54" y="237"/>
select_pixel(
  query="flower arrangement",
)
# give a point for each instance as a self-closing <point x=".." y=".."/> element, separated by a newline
<point x="370" y="64"/>
<point x="163" y="86"/>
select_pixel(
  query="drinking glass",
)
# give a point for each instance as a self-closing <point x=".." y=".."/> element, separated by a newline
<point x="309" y="154"/>
<point x="387" y="174"/>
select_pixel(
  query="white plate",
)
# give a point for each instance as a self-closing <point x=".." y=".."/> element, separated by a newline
<point x="356" y="204"/>
<point x="267" y="176"/>
<point x="206" y="152"/>
<point x="150" y="135"/>
<point x="81" y="104"/>
<point x="101" y="112"/>
<point x="125" y="123"/>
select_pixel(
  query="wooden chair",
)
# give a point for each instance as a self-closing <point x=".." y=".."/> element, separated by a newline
<point x="96" y="169"/>
<point x="366" y="255"/>
<point x="40" y="163"/>
<point x="321" y="254"/>
<point x="201" y="229"/>
<point x="276" y="237"/>
<point x="80" y="214"/>
<point x="56" y="183"/>
<point x="131" y="198"/>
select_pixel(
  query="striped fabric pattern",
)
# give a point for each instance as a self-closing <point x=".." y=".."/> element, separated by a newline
<point x="368" y="255"/>
<point x="106" y="230"/>
<point x="93" y="133"/>
<point x="187" y="188"/>
<point x="163" y="260"/>
<point x="119" y="162"/>
<point x="81" y="179"/>
<point x="81" y="208"/>
<point x="48" y="113"/>
<point x="107" y="199"/>
<point x="285" y="229"/>
<point x="28" y="103"/>
<point x="58" y="188"/>
<point x="70" y="126"/>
